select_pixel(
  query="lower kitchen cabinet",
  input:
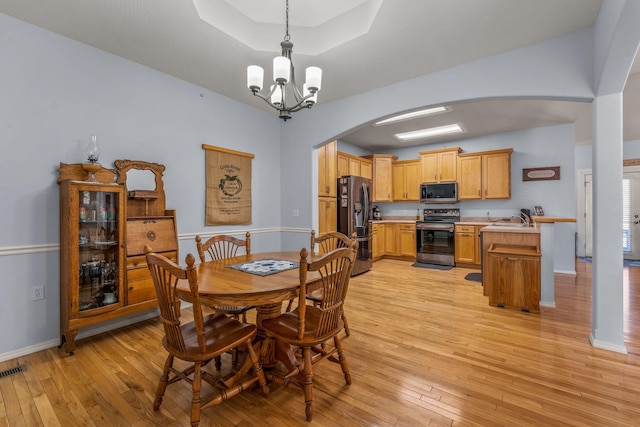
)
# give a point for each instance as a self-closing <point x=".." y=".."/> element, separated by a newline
<point x="394" y="239"/>
<point x="376" y="241"/>
<point x="407" y="240"/>
<point x="467" y="245"/>
<point x="514" y="274"/>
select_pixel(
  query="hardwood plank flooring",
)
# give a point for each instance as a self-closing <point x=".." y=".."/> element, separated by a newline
<point x="425" y="349"/>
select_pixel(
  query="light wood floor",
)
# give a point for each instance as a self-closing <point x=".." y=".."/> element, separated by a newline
<point x="425" y="349"/>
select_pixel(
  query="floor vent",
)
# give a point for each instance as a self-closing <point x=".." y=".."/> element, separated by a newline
<point x="12" y="371"/>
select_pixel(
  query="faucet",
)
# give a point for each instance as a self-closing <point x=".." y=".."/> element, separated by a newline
<point x="523" y="218"/>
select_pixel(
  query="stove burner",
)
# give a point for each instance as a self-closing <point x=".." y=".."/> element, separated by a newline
<point x="441" y="215"/>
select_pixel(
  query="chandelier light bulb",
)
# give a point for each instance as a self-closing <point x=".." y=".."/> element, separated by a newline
<point x="276" y="96"/>
<point x="314" y="78"/>
<point x="281" y="69"/>
<point x="255" y="77"/>
<point x="305" y="92"/>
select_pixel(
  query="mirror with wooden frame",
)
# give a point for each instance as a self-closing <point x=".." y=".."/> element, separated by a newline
<point x="145" y="189"/>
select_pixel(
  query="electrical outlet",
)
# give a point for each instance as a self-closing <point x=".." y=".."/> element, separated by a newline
<point x="526" y="193"/>
<point x="296" y="212"/>
<point x="37" y="293"/>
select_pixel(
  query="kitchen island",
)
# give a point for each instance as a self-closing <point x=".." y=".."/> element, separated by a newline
<point x="511" y="265"/>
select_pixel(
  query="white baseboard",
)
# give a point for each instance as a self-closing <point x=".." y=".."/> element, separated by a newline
<point x="84" y="333"/>
<point x="607" y="345"/>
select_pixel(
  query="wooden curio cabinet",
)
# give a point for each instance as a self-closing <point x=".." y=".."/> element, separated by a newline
<point x="104" y="227"/>
<point x="92" y="256"/>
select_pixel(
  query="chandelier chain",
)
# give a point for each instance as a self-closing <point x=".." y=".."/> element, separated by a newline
<point x="287" y="37"/>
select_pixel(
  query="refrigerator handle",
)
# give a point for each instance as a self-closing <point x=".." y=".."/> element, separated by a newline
<point x="365" y="192"/>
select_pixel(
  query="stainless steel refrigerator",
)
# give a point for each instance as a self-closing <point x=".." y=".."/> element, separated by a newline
<point x="354" y="216"/>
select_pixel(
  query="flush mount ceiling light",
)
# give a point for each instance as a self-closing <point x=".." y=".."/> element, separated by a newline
<point x="413" y="115"/>
<point x="429" y="133"/>
<point x="284" y="96"/>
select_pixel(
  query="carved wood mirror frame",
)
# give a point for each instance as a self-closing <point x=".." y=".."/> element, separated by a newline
<point x="141" y="203"/>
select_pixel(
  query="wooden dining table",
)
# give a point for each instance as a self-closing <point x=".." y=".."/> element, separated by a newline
<point x="220" y="284"/>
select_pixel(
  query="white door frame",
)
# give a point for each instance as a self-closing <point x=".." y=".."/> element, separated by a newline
<point x="583" y="227"/>
<point x="582" y="212"/>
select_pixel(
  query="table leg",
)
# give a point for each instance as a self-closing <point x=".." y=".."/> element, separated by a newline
<point x="263" y="312"/>
<point x="276" y="351"/>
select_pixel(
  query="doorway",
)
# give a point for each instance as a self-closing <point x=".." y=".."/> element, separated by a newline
<point x="630" y="214"/>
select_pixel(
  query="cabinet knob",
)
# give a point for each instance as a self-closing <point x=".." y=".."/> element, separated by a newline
<point x="130" y="288"/>
<point x="124" y="245"/>
<point x="135" y="264"/>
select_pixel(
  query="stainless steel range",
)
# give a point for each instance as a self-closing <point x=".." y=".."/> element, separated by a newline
<point x="435" y="236"/>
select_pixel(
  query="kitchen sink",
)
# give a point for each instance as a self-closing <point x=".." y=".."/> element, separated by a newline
<point x="510" y="224"/>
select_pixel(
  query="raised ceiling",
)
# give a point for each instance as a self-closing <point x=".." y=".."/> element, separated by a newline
<point x="372" y="43"/>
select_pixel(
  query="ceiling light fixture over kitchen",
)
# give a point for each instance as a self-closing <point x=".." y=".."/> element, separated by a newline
<point x="284" y="91"/>
<point x="429" y="133"/>
<point x="413" y="115"/>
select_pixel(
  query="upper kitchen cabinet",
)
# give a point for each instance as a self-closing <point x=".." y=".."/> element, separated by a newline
<point x="485" y="175"/>
<point x="349" y="164"/>
<point x="382" y="176"/>
<point x="439" y="165"/>
<point x="327" y="169"/>
<point x="406" y="180"/>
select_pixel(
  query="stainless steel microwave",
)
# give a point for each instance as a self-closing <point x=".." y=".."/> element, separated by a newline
<point x="443" y="192"/>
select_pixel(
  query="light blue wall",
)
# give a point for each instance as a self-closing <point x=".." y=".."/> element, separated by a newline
<point x="55" y="93"/>
<point x="630" y="150"/>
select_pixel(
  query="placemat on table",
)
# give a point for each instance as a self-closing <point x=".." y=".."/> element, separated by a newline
<point x="265" y="267"/>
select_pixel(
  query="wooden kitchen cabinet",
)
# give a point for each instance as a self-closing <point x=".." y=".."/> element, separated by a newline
<point x="394" y="240"/>
<point x="327" y="169"/>
<point x="349" y="164"/>
<point x="328" y="215"/>
<point x="467" y="245"/>
<point x="499" y="237"/>
<point x="484" y="175"/>
<point x="514" y="272"/>
<point x="406" y="240"/>
<point x="382" y="177"/>
<point x="377" y="242"/>
<point x="389" y="237"/>
<point x="406" y="180"/>
<point x="439" y="165"/>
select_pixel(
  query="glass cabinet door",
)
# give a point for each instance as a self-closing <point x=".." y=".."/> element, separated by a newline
<point x="99" y="255"/>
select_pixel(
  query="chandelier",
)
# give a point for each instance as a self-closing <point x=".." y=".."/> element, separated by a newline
<point x="284" y="96"/>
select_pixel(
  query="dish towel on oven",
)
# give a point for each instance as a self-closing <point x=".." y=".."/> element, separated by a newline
<point x="265" y="267"/>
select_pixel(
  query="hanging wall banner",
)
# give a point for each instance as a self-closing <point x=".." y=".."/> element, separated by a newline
<point x="228" y="198"/>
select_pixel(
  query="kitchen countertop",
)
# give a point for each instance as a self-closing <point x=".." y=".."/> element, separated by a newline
<point x="491" y="225"/>
<point x="395" y="219"/>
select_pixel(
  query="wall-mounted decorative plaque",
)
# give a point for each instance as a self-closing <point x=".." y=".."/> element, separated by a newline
<point x="541" y="174"/>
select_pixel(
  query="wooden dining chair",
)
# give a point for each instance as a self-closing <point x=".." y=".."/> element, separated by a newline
<point x="199" y="341"/>
<point x="326" y="243"/>
<point x="309" y="327"/>
<point x="220" y="247"/>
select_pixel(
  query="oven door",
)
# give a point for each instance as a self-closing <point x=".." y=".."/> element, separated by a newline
<point x="435" y="243"/>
